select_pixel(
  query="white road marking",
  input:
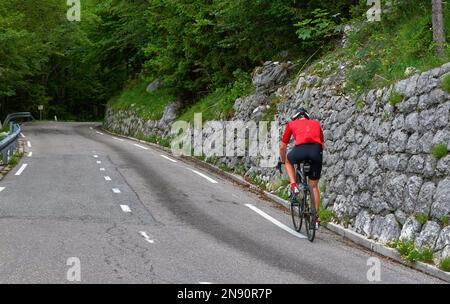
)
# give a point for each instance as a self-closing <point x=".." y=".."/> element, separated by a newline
<point x="99" y="133"/>
<point x="139" y="146"/>
<point x="20" y="171"/>
<point x="125" y="208"/>
<point x="168" y="158"/>
<point x="116" y="190"/>
<point x="95" y="156"/>
<point x="276" y="222"/>
<point x="204" y="176"/>
<point x="99" y="162"/>
<point x="205" y="283"/>
<point x="29" y="144"/>
<point x="2" y="188"/>
<point x="146" y="237"/>
<point x="107" y="178"/>
<point x="91" y="128"/>
<point x="102" y="169"/>
<point x="30" y="154"/>
<point x="23" y="136"/>
<point x="119" y="139"/>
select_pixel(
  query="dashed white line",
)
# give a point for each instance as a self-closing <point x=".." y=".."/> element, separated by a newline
<point x="20" y="171"/>
<point x="276" y="222"/>
<point x="168" y="158"/>
<point x="95" y="156"/>
<point x="142" y="147"/>
<point x="107" y="178"/>
<point x="125" y="208"/>
<point x="205" y="283"/>
<point x="102" y="169"/>
<point x="30" y="154"/>
<point x="146" y="237"/>
<point x="99" y="162"/>
<point x="116" y="190"/>
<point x="119" y="139"/>
<point x="23" y="136"/>
<point x="91" y="128"/>
<point x="29" y="144"/>
<point x="204" y="176"/>
<point x="2" y="188"/>
<point x="99" y="133"/>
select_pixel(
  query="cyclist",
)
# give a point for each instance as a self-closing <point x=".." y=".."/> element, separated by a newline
<point x="309" y="144"/>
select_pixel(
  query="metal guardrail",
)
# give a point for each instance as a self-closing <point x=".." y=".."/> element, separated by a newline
<point x="8" y="145"/>
<point x="12" y="116"/>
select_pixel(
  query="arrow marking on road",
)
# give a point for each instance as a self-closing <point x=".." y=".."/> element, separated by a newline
<point x="204" y="176"/>
<point x="276" y="222"/>
<point x="19" y="172"/>
<point x="168" y="158"/>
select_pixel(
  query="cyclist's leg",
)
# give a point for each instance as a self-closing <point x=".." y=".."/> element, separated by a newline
<point x="293" y="157"/>
<point x="315" y="188"/>
<point x="315" y="155"/>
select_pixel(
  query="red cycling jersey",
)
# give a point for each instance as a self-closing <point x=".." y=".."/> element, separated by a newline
<point x="305" y="131"/>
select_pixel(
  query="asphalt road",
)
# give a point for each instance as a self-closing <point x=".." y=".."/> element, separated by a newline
<point x="131" y="214"/>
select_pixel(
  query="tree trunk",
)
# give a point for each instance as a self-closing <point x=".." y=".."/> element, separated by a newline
<point x="438" y="27"/>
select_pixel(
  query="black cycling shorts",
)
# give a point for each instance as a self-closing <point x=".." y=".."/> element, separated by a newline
<point x="311" y="152"/>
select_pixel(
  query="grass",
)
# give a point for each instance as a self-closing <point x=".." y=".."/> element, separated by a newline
<point x="446" y="83"/>
<point x="439" y="151"/>
<point x="149" y="105"/>
<point x="325" y="215"/>
<point x="445" y="264"/>
<point x="411" y="254"/>
<point x="395" y="98"/>
<point x="422" y="218"/>
<point x="444" y="220"/>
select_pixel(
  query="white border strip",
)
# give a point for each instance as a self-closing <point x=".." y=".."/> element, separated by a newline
<point x="276" y="222"/>
<point x="142" y="147"/>
<point x="125" y="208"/>
<point x="2" y="188"/>
<point x="204" y="176"/>
<point x="168" y="158"/>
<point x="20" y="171"/>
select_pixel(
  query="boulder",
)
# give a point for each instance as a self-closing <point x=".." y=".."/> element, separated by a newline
<point x="429" y="235"/>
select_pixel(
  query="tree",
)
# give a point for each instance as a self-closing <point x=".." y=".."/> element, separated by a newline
<point x="438" y="27"/>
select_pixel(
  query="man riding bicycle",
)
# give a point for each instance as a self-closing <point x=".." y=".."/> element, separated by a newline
<point x="309" y="143"/>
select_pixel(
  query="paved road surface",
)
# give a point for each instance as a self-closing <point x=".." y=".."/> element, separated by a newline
<point x="169" y="222"/>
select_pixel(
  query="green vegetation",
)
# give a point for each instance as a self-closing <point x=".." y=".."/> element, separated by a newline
<point x="446" y="83"/>
<point x="410" y="254"/>
<point x="395" y="98"/>
<point x="325" y="215"/>
<point x="445" y="264"/>
<point x="148" y="105"/>
<point x="422" y="218"/>
<point x="444" y="220"/>
<point x="439" y="151"/>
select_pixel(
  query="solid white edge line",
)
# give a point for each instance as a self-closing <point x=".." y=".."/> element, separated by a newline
<point x="119" y="139"/>
<point x="204" y="176"/>
<point x="142" y="147"/>
<point x="276" y="222"/>
<point x="116" y="190"/>
<point x="99" y="133"/>
<point x="2" y="188"/>
<point x="107" y="178"/>
<point x="168" y="158"/>
<point x="29" y="144"/>
<point x="20" y="171"/>
<point x="146" y="237"/>
<point x="125" y="208"/>
<point x="205" y="283"/>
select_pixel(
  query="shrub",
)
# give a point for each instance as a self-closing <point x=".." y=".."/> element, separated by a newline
<point x="325" y="215"/>
<point x="411" y="254"/>
<point x="444" y="220"/>
<point x="422" y="218"/>
<point x="445" y="264"/>
<point x="440" y="151"/>
<point x="446" y="83"/>
<point x="395" y="98"/>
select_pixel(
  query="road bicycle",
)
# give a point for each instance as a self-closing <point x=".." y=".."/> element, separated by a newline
<point x="303" y="207"/>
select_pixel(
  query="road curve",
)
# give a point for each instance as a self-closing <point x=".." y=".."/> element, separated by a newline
<point x="131" y="214"/>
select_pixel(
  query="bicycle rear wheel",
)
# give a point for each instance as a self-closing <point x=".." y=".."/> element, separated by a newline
<point x="310" y="215"/>
<point x="297" y="216"/>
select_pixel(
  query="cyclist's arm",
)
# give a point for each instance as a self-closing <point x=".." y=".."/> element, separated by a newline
<point x="283" y="147"/>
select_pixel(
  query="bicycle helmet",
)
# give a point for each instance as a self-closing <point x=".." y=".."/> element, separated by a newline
<point x="300" y="113"/>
